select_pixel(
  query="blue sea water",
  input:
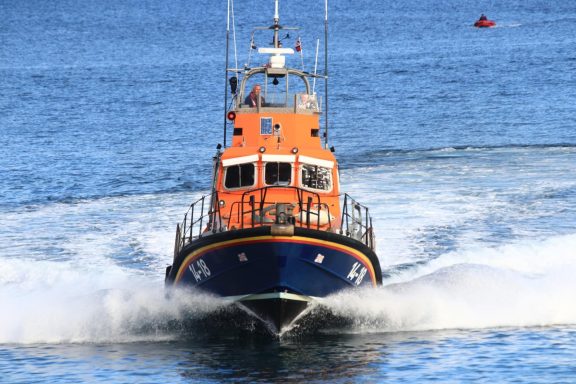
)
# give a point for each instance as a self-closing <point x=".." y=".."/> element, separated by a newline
<point x="462" y="142"/>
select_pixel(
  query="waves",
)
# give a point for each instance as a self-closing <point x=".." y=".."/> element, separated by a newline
<point x="426" y="203"/>
<point x="392" y="156"/>
<point x="461" y="147"/>
<point x="526" y="284"/>
<point x="57" y="303"/>
<point x="19" y="197"/>
<point x="78" y="186"/>
<point x="470" y="237"/>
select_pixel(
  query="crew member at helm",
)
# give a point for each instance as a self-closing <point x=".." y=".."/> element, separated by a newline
<point x="252" y="99"/>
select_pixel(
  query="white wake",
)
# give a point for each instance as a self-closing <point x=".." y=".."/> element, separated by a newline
<point x="518" y="285"/>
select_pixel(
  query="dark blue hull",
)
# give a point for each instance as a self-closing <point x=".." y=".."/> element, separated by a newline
<point x="274" y="276"/>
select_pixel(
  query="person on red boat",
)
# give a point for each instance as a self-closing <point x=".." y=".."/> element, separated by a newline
<point x="252" y="99"/>
<point x="483" y="17"/>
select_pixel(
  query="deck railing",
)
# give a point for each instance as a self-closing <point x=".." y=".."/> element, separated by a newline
<point x="205" y="216"/>
<point x="357" y="222"/>
<point x="200" y="219"/>
<point x="261" y="211"/>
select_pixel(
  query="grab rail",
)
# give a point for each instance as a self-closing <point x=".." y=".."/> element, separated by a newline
<point x="356" y="222"/>
<point x="204" y="216"/>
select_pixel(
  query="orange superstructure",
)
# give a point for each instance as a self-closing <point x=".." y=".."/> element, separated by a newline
<point x="277" y="156"/>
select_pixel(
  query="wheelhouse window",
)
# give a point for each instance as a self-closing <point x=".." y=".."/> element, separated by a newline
<point x="276" y="173"/>
<point x="239" y="176"/>
<point x="278" y="88"/>
<point x="316" y="177"/>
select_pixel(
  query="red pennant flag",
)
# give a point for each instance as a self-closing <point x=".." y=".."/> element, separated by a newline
<point x="298" y="46"/>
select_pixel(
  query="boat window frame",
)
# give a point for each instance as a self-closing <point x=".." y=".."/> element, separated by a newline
<point x="290" y="163"/>
<point x="300" y="179"/>
<point x="270" y="72"/>
<point x="225" y="174"/>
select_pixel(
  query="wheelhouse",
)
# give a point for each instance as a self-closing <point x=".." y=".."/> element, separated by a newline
<point x="281" y="88"/>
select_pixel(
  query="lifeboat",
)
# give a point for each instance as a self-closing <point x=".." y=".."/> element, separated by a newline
<point x="484" y="23"/>
<point x="276" y="234"/>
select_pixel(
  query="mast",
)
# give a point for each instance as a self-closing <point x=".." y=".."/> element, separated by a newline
<point x="226" y="70"/>
<point x="326" y="72"/>
<point x="276" y="23"/>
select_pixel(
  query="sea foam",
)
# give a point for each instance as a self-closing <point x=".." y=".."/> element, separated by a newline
<point x="524" y="284"/>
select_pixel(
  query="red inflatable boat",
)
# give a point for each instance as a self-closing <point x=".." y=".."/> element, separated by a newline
<point x="484" y="23"/>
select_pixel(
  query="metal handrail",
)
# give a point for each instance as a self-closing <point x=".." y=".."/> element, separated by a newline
<point x="356" y="222"/>
<point x="253" y="207"/>
<point x="195" y="227"/>
<point x="268" y="205"/>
